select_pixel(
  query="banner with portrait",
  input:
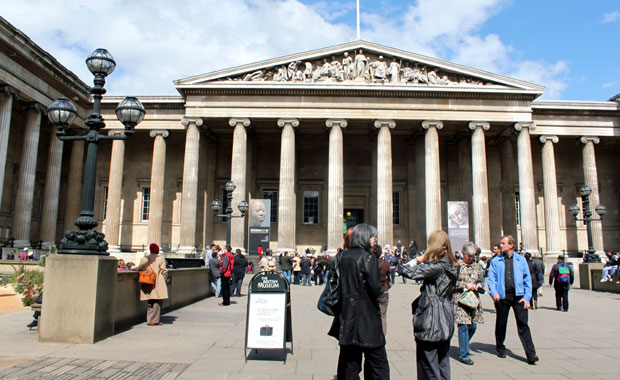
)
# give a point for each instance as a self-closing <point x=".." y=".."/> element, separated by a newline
<point x="458" y="224"/>
<point x="260" y="225"/>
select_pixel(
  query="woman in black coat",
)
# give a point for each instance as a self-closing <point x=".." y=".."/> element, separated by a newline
<point x="239" y="266"/>
<point x="357" y="325"/>
<point x="433" y="321"/>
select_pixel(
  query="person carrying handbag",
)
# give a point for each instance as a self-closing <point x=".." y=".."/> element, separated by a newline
<point x="468" y="315"/>
<point x="155" y="293"/>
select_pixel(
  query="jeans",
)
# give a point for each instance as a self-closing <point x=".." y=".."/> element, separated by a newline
<point x="392" y="275"/>
<point x="466" y="332"/>
<point x="237" y="287"/>
<point x="216" y="284"/>
<point x="610" y="271"/>
<point x="287" y="275"/>
<point x="325" y="276"/>
<point x="306" y="279"/>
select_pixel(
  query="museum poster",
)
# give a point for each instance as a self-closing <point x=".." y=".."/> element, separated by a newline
<point x="266" y="320"/>
<point x="260" y="218"/>
<point x="458" y="224"/>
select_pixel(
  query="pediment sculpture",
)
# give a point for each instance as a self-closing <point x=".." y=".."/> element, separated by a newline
<point x="362" y="67"/>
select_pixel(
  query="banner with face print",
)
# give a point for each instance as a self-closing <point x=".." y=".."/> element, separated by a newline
<point x="260" y="212"/>
<point x="458" y="224"/>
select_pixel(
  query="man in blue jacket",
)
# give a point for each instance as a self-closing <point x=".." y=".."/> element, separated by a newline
<point x="510" y="286"/>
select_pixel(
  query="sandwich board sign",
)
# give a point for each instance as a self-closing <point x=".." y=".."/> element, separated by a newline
<point x="268" y="323"/>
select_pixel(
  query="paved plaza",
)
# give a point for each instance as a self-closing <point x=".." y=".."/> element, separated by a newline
<point x="205" y="341"/>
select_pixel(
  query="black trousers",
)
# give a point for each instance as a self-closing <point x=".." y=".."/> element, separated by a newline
<point x="432" y="360"/>
<point x="561" y="298"/>
<point x="376" y="366"/>
<point x="225" y="290"/>
<point x="503" y="309"/>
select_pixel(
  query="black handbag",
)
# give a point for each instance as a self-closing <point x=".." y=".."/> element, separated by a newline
<point x="329" y="300"/>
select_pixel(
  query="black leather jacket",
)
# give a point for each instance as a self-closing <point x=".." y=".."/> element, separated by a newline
<point x="433" y="320"/>
<point x="359" y="320"/>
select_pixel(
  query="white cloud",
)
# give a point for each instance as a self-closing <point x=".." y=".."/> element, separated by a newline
<point x="611" y="17"/>
<point x="156" y="42"/>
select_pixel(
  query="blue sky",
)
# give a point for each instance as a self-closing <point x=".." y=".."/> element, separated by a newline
<point x="570" y="47"/>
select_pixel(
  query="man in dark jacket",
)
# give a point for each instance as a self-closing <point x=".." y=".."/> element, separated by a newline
<point x="286" y="265"/>
<point x="306" y="270"/>
<point x="561" y="277"/>
<point x="239" y="267"/>
<point x="226" y="267"/>
<point x="357" y="325"/>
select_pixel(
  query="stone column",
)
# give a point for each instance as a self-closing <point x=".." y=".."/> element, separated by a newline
<point x="115" y="185"/>
<point x="527" y="200"/>
<point x="158" y="170"/>
<point x="385" y="207"/>
<point x="49" y="217"/>
<point x="74" y="185"/>
<point x="189" y="199"/>
<point x="286" y="191"/>
<point x="480" y="187"/>
<point x="27" y="173"/>
<point x="7" y="93"/>
<point x="335" y="187"/>
<point x="590" y="177"/>
<point x="509" y="218"/>
<point x="433" y="176"/>
<point x="238" y="175"/>
<point x="552" y="212"/>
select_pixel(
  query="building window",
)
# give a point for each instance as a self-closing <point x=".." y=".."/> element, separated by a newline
<point x="224" y="200"/>
<point x="273" y="196"/>
<point x="517" y="208"/>
<point x="105" y="202"/>
<point x="146" y="203"/>
<point x="38" y="201"/>
<point x="311" y="207"/>
<point x="396" y="207"/>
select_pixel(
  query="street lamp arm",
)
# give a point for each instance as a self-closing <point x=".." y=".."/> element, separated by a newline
<point x="126" y="136"/>
<point x="62" y="137"/>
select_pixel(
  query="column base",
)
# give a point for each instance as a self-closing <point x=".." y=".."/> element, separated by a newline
<point x="486" y="252"/>
<point x="186" y="250"/>
<point x="21" y="243"/>
<point x="47" y="244"/>
<point x="112" y="249"/>
<point x="553" y="253"/>
<point x="79" y="299"/>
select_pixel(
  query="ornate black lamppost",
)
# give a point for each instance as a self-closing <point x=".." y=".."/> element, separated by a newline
<point x="216" y="205"/>
<point x="62" y="113"/>
<point x="601" y="210"/>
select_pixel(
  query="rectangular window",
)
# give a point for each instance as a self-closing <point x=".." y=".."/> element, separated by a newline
<point x="396" y="207"/>
<point x="146" y="203"/>
<point x="311" y="207"/>
<point x="517" y="208"/>
<point x="105" y="202"/>
<point x="273" y="196"/>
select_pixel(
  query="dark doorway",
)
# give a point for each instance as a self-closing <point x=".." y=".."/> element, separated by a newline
<point x="353" y="216"/>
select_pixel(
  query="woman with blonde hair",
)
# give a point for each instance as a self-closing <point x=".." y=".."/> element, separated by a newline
<point x="433" y="321"/>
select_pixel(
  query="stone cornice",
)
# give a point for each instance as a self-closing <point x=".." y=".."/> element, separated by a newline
<point x="576" y="108"/>
<point x="149" y="102"/>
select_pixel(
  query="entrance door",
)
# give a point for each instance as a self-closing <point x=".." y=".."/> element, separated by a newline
<point x="353" y="217"/>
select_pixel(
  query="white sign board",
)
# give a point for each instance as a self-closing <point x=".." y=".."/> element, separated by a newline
<point x="266" y="320"/>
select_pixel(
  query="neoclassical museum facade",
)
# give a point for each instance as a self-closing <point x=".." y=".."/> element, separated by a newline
<point x="357" y="132"/>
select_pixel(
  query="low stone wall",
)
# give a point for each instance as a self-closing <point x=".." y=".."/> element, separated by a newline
<point x="11" y="266"/>
<point x="185" y="286"/>
<point x="608" y="286"/>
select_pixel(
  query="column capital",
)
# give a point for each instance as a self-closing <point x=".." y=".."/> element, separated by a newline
<point x="292" y="122"/>
<point x="37" y="107"/>
<point x="479" y="124"/>
<point x="159" y="132"/>
<point x="186" y="121"/>
<point x="116" y="132"/>
<point x="9" y="90"/>
<point x="426" y="124"/>
<point x="233" y="122"/>
<point x="331" y="122"/>
<point x="552" y="139"/>
<point x="587" y="139"/>
<point x="385" y="123"/>
<point x="519" y="126"/>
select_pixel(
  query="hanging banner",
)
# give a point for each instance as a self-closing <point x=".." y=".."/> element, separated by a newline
<point x="458" y="224"/>
<point x="260" y="212"/>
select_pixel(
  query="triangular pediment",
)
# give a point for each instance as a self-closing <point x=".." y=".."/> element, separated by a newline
<point x="359" y="64"/>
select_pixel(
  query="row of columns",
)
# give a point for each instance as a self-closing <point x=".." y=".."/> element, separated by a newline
<point x="287" y="195"/>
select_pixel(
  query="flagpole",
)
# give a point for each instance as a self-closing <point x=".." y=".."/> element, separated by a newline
<point x="358" y="20"/>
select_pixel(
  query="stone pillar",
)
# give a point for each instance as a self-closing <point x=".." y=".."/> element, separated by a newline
<point x="189" y="199"/>
<point x="158" y="170"/>
<point x="335" y="187"/>
<point x="433" y="176"/>
<point x="385" y="207"/>
<point x="286" y="191"/>
<point x="527" y="200"/>
<point x="115" y="185"/>
<point x="49" y="217"/>
<point x="480" y="187"/>
<point x="7" y="93"/>
<point x="509" y="217"/>
<point x="590" y="177"/>
<point x="238" y="175"/>
<point x="27" y="173"/>
<point x="552" y="212"/>
<point x="74" y="185"/>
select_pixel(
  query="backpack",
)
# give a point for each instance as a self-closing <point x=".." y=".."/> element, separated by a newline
<point x="563" y="275"/>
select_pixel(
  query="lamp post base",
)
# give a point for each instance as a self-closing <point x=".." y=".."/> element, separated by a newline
<point x="84" y="242"/>
<point x="591" y="258"/>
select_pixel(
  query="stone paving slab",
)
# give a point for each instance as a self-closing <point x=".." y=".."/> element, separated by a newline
<point x="205" y="341"/>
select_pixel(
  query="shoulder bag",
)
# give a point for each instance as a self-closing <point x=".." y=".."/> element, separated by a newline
<point x="329" y="300"/>
<point x="147" y="277"/>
